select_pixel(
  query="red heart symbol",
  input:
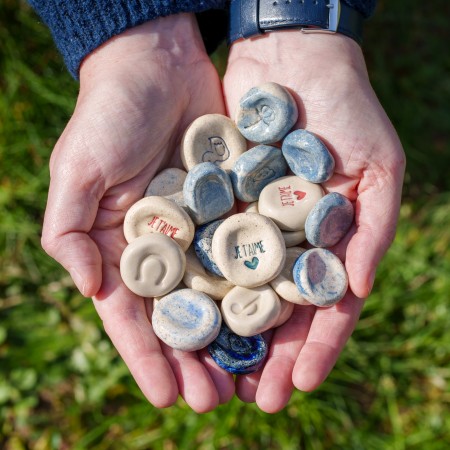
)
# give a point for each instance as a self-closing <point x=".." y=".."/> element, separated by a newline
<point x="300" y="194"/>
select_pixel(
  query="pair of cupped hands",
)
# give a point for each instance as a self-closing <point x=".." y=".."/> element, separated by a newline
<point x="138" y="93"/>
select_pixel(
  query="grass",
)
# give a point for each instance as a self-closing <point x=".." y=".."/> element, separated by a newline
<point x="62" y="384"/>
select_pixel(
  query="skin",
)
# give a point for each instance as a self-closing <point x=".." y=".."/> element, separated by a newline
<point x="138" y="93"/>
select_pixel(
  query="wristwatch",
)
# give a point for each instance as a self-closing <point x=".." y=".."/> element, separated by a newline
<point x="252" y="17"/>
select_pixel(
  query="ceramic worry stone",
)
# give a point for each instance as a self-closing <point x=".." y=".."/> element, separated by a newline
<point x="208" y="192"/>
<point x="248" y="249"/>
<point x="186" y="320"/>
<point x="152" y="265"/>
<point x="212" y="138"/>
<point x="287" y="308"/>
<point x="169" y="184"/>
<point x="250" y="311"/>
<point x="236" y="354"/>
<point x="202" y="246"/>
<point x="320" y="277"/>
<point x="308" y="157"/>
<point x="288" y="201"/>
<point x="197" y="277"/>
<point x="255" y="169"/>
<point x="158" y="215"/>
<point x="329" y="220"/>
<point x="266" y="113"/>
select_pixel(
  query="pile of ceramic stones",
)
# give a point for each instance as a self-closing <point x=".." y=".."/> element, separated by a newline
<point x="189" y="248"/>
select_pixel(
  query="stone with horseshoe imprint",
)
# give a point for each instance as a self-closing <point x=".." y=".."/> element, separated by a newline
<point x="152" y="265"/>
<point x="251" y="311"/>
<point x="212" y="138"/>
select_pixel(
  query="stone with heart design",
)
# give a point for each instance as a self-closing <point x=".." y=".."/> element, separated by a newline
<point x="288" y="201"/>
<point x="308" y="157"/>
<point x="208" y="192"/>
<point x="320" y="277"/>
<point x="250" y="311"/>
<point x="239" y="240"/>
<point x="202" y="245"/>
<point x="266" y="113"/>
<point x="329" y="220"/>
<point x="212" y="138"/>
<point x="238" y="354"/>
<point x="255" y="169"/>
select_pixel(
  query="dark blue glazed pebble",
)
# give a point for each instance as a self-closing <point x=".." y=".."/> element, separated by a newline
<point x="202" y="246"/>
<point x="237" y="354"/>
<point x="208" y="192"/>
<point x="308" y="157"/>
<point x="320" y="277"/>
<point x="329" y="220"/>
<point x="266" y="113"/>
<point x="255" y="169"/>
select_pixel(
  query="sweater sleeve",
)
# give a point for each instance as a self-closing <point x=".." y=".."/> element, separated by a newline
<point x="365" y="7"/>
<point x="80" y="26"/>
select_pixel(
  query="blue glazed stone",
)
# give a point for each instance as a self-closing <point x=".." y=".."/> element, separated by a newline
<point x="186" y="320"/>
<point x="237" y="354"/>
<point x="307" y="156"/>
<point x="202" y="246"/>
<point x="255" y="169"/>
<point x="320" y="277"/>
<point x="329" y="220"/>
<point x="266" y="113"/>
<point x="207" y="192"/>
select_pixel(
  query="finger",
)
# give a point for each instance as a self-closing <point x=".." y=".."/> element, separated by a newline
<point x="125" y="321"/>
<point x="194" y="383"/>
<point x="330" y="330"/>
<point x="276" y="386"/>
<point x="222" y="379"/>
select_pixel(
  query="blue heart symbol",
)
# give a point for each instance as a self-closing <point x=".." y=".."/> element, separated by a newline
<point x="253" y="264"/>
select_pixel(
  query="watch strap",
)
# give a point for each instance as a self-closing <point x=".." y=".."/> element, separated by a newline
<point x="252" y="17"/>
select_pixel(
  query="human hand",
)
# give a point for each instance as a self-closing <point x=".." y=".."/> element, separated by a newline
<point x="328" y="78"/>
<point x="138" y="93"/>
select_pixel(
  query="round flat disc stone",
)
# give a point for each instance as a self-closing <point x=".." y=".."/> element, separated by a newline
<point x="212" y="138"/>
<point x="248" y="249"/>
<point x="329" y="220"/>
<point x="287" y="308"/>
<point x="236" y="354"/>
<point x="288" y="201"/>
<point x="156" y="214"/>
<point x="186" y="320"/>
<point x="308" y="157"/>
<point x="152" y="265"/>
<point x="320" y="277"/>
<point x="266" y="113"/>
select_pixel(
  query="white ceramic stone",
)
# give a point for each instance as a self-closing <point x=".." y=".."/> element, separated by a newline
<point x="179" y="286"/>
<point x="288" y="200"/>
<point x="152" y="265"/>
<point x="287" y="308"/>
<point x="169" y="184"/>
<point x="197" y="277"/>
<point x="212" y="138"/>
<point x="284" y="284"/>
<point x="186" y="320"/>
<point x="252" y="208"/>
<point x="159" y="215"/>
<point x="248" y="249"/>
<point x="250" y="311"/>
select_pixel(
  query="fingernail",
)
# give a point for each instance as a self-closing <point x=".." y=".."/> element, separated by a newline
<point x="78" y="280"/>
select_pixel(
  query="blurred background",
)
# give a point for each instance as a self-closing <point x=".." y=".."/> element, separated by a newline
<point x="62" y="385"/>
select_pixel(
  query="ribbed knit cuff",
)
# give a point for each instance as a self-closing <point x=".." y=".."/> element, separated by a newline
<point x="80" y="26"/>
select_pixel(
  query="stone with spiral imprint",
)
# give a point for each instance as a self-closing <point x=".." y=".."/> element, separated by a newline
<point x="152" y="265"/>
<point x="266" y="113"/>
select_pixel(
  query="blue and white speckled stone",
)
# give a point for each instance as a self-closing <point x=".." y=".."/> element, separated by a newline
<point x="208" y="192"/>
<point x="202" y="246"/>
<point x="236" y="354"/>
<point x="186" y="320"/>
<point x="266" y="113"/>
<point x="320" y="277"/>
<point x="308" y="157"/>
<point x="255" y="169"/>
<point x="329" y="220"/>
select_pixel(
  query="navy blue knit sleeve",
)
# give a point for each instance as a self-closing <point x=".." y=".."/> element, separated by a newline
<point x="365" y="7"/>
<point x="80" y="26"/>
